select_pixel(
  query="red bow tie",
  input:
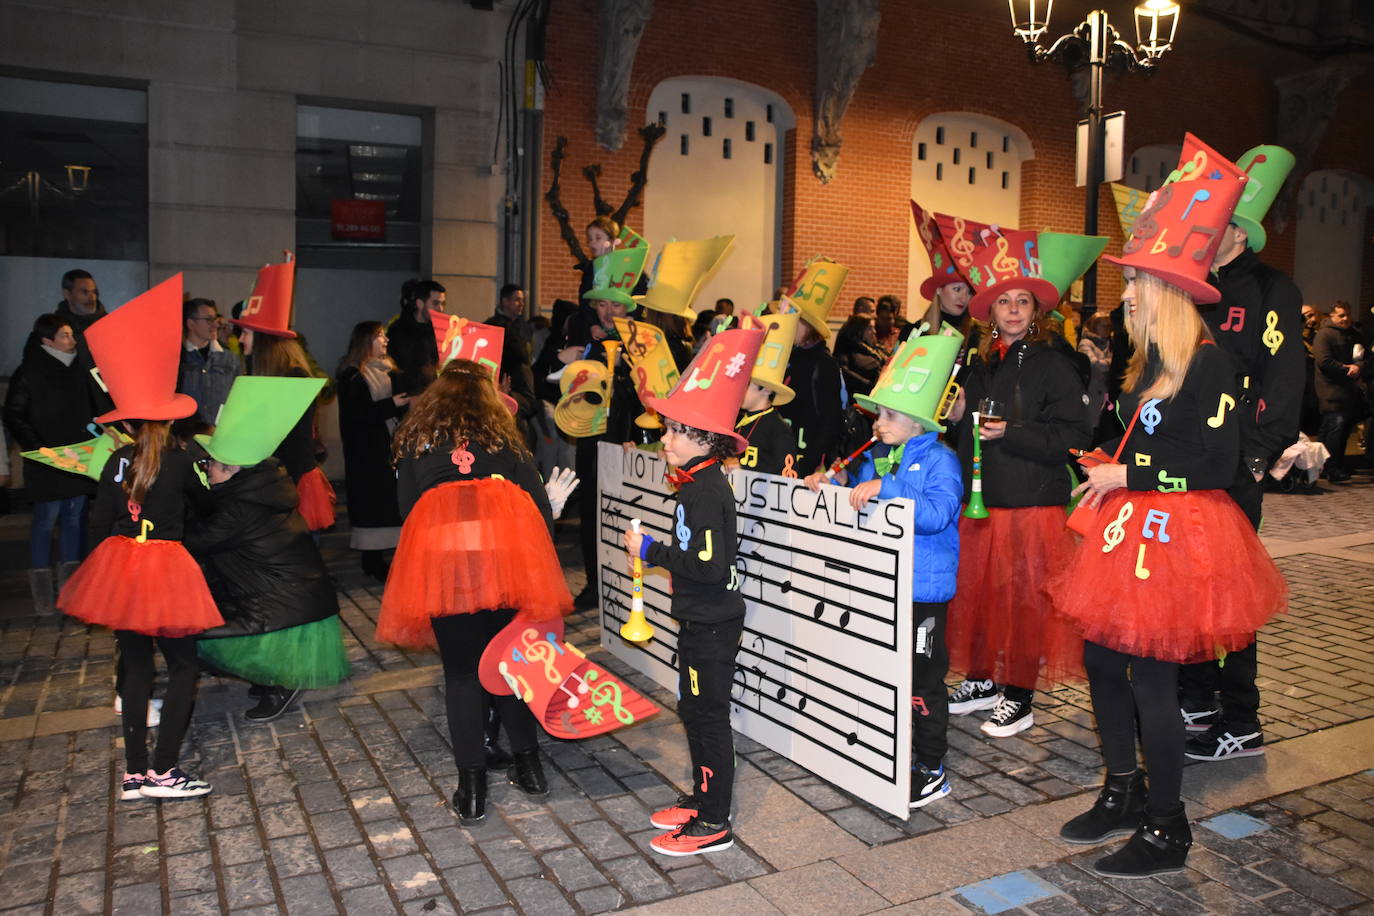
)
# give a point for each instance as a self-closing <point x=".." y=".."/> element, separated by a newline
<point x="679" y="477"/>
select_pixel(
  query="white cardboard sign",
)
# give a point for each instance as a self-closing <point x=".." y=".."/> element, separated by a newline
<point x="823" y="672"/>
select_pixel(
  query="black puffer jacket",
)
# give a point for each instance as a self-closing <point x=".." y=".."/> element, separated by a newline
<point x="261" y="564"/>
<point x="50" y="404"/>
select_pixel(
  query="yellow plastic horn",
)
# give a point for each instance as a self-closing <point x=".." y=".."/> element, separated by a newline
<point x="637" y="629"/>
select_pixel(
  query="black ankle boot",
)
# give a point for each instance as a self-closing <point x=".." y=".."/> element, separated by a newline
<point x="1117" y="812"/>
<point x="470" y="801"/>
<point x="497" y="756"/>
<point x="1158" y="847"/>
<point x="272" y="702"/>
<point x="527" y="773"/>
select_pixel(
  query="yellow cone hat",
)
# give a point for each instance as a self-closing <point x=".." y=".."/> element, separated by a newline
<point x="817" y="291"/>
<point x="680" y="271"/>
<point x="770" y="369"/>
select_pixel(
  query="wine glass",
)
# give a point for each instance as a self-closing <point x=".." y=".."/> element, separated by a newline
<point x="991" y="411"/>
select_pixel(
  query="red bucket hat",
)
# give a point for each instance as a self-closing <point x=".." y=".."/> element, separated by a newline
<point x="994" y="260"/>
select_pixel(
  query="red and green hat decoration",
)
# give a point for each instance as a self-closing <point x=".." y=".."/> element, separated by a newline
<point x="459" y="338"/>
<point x="616" y="273"/>
<point x="711" y="390"/>
<point x="993" y="259"/>
<point x="942" y="269"/>
<point x="267" y="310"/>
<point x="1266" y="167"/>
<point x="1177" y="235"/>
<point x="85" y="458"/>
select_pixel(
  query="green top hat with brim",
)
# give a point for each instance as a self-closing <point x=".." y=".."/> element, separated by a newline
<point x="914" y="381"/>
<point x="256" y="417"/>
<point x="1267" y="167"/>
<point x="1064" y="257"/>
<point x="616" y="273"/>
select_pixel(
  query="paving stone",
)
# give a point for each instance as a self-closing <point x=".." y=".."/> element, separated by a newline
<point x="627" y="812"/>
<point x="132" y="865"/>
<point x="367" y="901"/>
<point x="600" y="840"/>
<point x="133" y="899"/>
<point x="637" y="878"/>
<point x="80" y="893"/>
<point x="541" y="833"/>
<point x="475" y="887"/>
<point x="334" y="829"/>
<point x="509" y="857"/>
<point x="307" y="895"/>
<point x="1327" y="893"/>
<point x="350" y="867"/>
<point x="390" y="838"/>
<point x="535" y="895"/>
<point x="248" y="885"/>
<point x="83" y="852"/>
<point x="867" y="826"/>
<point x="292" y="856"/>
<point x="448" y="847"/>
<point x="572" y="869"/>
<point x="599" y="899"/>
<point x="318" y="797"/>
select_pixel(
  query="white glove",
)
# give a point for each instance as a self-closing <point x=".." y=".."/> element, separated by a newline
<point x="561" y="483"/>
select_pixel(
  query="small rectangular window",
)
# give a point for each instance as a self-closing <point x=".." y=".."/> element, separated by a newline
<point x="972" y="172"/>
<point x="921" y="151"/>
<point x="749" y="131"/>
<point x="768" y="154"/>
<point x="686" y="103"/>
<point x="939" y="171"/>
<point x="706" y="127"/>
<point x="973" y="139"/>
<point x="1006" y="144"/>
<point x="956" y="155"/>
<point x="663" y="119"/>
<point x="1164" y="170"/>
<point x="1135" y="165"/>
<point x="682" y="144"/>
<point x="989" y="158"/>
<point x="1006" y="181"/>
<point x="725" y="148"/>
<point x="729" y="108"/>
<point x="939" y="136"/>
<point x="768" y="113"/>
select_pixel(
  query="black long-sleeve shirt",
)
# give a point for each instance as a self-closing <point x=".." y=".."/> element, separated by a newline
<point x="700" y="551"/>
<point x="771" y="442"/>
<point x="415" y="475"/>
<point x="816" y="413"/>
<point x="177" y="486"/>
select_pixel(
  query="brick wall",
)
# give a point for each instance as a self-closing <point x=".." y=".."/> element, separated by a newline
<point x="861" y="217"/>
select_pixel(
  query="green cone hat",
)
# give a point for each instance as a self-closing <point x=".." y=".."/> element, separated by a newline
<point x="616" y="272"/>
<point x="1267" y="167"/>
<point x="1064" y="257"/>
<point x="914" y="380"/>
<point x="258" y="414"/>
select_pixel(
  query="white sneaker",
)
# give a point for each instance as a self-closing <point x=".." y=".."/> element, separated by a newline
<point x="173" y="784"/>
<point x="971" y="696"/>
<point x="1010" y="717"/>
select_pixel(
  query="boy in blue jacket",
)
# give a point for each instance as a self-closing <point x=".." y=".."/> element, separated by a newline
<point x="911" y="462"/>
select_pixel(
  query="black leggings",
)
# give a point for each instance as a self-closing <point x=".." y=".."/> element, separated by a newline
<point x="137" y="669"/>
<point x="462" y="639"/>
<point x="1146" y="694"/>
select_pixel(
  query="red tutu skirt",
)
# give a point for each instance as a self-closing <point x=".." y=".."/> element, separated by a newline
<point x="467" y="546"/>
<point x="1002" y="624"/>
<point x="153" y="588"/>
<point x="1183" y="577"/>
<point x="317" y="500"/>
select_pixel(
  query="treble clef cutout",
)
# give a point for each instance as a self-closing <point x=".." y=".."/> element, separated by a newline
<point x="1115" y="532"/>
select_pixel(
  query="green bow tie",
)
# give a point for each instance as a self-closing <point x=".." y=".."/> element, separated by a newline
<point x="893" y="458"/>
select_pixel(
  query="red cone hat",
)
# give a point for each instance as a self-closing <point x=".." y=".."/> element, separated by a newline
<point x="137" y="349"/>
<point x="268" y="309"/>
<point x="994" y="260"/>
<point x="710" y="392"/>
<point x="1177" y="235"/>
<point x="942" y="269"/>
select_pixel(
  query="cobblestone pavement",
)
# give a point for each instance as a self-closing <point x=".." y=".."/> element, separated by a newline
<point x="342" y="804"/>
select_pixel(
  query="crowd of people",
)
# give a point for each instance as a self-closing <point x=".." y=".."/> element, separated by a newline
<point x="1168" y="409"/>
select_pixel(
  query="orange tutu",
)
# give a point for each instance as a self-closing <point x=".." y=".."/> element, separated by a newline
<point x="1001" y="621"/>
<point x="317" y="500"/>
<point x="467" y="546"/>
<point x="1201" y="581"/>
<point x="153" y="588"/>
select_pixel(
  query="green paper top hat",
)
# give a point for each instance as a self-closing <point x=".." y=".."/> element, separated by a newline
<point x="256" y="417"/>
<point x="913" y="382"/>
<point x="618" y="271"/>
<point x="1064" y="257"/>
<point x="1267" y="167"/>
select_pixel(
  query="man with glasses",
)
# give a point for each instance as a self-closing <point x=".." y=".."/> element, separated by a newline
<point x="207" y="369"/>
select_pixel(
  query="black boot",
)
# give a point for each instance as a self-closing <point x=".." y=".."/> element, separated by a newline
<point x="497" y="756"/>
<point x="375" y="565"/>
<point x="470" y="801"/>
<point x="1117" y="811"/>
<point x="271" y="704"/>
<point x="527" y="773"/>
<point x="1158" y="847"/>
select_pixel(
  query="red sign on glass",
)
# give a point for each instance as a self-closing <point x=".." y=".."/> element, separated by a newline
<point x="357" y="219"/>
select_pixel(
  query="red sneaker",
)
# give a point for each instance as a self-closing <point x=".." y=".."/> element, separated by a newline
<point x="694" y="837"/>
<point x="676" y="814"/>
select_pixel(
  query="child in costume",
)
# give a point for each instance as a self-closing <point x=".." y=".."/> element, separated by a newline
<point x="707" y="603"/>
<point x="139" y="580"/>
<point x="1170" y="570"/>
<point x="1001" y="626"/>
<point x="273" y="349"/>
<point x="771" y="446"/>
<point x="476" y="548"/>
<point x="913" y="463"/>
<point x="817" y="412"/>
<point x="281" y="630"/>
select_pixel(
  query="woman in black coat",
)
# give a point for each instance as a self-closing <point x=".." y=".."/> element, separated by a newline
<point x="50" y="403"/>
<point x="368" y="412"/>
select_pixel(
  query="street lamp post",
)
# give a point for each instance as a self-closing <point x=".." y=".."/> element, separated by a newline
<point x="1094" y="43"/>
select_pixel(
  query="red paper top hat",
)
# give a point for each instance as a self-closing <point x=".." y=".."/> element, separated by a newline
<point x="268" y="309"/>
<point x="137" y="349"/>
<point x="942" y="269"/>
<point x="710" y="392"/>
<point x="1177" y="235"/>
<point x="993" y="260"/>
<point x="459" y="338"/>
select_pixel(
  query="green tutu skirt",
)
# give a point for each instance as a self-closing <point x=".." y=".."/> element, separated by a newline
<point x="305" y="657"/>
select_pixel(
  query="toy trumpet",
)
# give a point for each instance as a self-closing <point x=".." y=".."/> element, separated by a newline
<point x="975" y="507"/>
<point x="637" y="629"/>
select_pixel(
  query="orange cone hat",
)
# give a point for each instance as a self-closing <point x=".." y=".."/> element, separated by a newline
<point x="710" y="392"/>
<point x="268" y="309"/>
<point x="137" y="349"/>
<point x="1177" y="235"/>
